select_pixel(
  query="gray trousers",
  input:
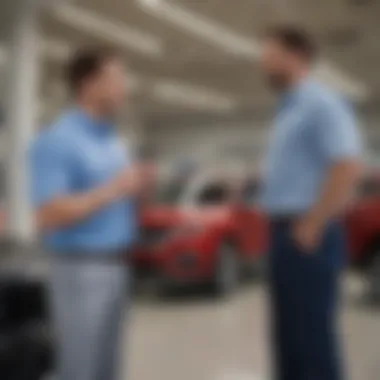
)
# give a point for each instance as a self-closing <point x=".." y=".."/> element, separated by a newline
<point x="88" y="301"/>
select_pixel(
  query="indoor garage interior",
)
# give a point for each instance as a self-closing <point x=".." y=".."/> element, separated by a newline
<point x="197" y="104"/>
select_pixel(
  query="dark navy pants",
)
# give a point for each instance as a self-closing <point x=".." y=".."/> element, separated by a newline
<point x="304" y="297"/>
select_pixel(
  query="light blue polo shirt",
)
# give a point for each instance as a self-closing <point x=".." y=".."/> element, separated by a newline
<point x="313" y="129"/>
<point x="73" y="156"/>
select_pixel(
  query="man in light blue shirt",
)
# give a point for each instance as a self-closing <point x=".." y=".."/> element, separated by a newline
<point x="310" y="172"/>
<point x="75" y="155"/>
<point x="83" y="185"/>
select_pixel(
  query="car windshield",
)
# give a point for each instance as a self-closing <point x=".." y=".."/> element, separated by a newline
<point x="213" y="194"/>
<point x="170" y="193"/>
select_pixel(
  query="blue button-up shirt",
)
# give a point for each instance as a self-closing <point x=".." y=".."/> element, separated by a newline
<point x="313" y="128"/>
<point x="73" y="156"/>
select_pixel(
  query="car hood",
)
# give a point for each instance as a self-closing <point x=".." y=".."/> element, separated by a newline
<point x="166" y="216"/>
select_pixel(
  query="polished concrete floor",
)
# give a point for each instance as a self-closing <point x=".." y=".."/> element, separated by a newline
<point x="195" y="338"/>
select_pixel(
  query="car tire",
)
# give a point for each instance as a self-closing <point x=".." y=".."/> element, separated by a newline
<point x="227" y="271"/>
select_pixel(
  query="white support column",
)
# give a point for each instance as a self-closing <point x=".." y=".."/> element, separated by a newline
<point x="21" y="117"/>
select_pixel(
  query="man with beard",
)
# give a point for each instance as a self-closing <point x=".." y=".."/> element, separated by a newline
<point x="310" y="172"/>
<point x="83" y="188"/>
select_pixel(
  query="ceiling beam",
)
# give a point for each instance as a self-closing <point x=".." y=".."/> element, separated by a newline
<point x="232" y="43"/>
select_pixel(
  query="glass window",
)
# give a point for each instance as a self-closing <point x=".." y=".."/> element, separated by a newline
<point x="213" y="194"/>
<point x="170" y="193"/>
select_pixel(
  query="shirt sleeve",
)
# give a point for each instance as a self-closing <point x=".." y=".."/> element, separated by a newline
<point x="49" y="172"/>
<point x="337" y="132"/>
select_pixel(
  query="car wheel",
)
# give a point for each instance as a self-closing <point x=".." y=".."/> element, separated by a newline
<point x="227" y="271"/>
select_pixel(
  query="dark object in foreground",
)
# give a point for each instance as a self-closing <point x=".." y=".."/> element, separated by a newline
<point x="26" y="347"/>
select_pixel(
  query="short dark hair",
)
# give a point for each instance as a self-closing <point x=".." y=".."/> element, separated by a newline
<point x="295" y="39"/>
<point x="85" y="63"/>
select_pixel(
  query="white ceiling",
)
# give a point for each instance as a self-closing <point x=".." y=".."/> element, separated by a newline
<point x="197" y="58"/>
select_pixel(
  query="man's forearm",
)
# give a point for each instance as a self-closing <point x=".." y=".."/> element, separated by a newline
<point x="68" y="210"/>
<point x="336" y="190"/>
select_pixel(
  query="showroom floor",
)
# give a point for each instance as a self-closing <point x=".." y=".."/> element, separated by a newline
<point x="194" y="338"/>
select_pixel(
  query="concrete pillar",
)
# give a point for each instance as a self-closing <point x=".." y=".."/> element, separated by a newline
<point x="21" y="115"/>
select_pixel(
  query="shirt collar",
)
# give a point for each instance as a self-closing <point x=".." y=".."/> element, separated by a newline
<point x="97" y="127"/>
<point x="292" y="94"/>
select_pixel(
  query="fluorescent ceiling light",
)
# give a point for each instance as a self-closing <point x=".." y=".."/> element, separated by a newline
<point x="204" y="28"/>
<point x="109" y="30"/>
<point x="246" y="47"/>
<point x="192" y="96"/>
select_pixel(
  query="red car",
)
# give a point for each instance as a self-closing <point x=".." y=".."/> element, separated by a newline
<point x="363" y="230"/>
<point x="203" y="231"/>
